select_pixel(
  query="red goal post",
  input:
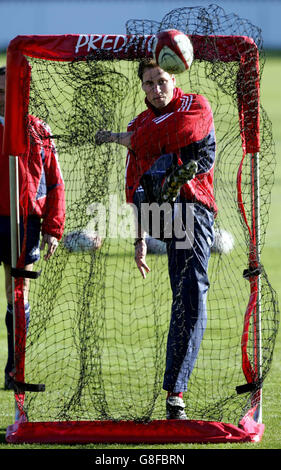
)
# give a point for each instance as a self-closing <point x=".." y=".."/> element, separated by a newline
<point x="65" y="48"/>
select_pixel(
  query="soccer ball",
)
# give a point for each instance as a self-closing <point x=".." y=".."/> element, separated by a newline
<point x="82" y="240"/>
<point x="223" y="243"/>
<point x="172" y="51"/>
<point x="154" y="246"/>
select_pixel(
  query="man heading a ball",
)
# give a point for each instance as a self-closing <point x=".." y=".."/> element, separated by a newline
<point x="157" y="84"/>
<point x="171" y="153"/>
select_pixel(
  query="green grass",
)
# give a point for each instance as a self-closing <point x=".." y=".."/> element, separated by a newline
<point x="271" y="98"/>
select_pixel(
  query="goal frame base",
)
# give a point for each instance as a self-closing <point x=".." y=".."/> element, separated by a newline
<point x="131" y="432"/>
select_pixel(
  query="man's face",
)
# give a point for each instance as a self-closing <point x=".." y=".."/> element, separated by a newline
<point x="2" y="95"/>
<point x="158" y="86"/>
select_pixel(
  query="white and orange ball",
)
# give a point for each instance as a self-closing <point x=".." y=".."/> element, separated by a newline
<point x="223" y="242"/>
<point x="82" y="240"/>
<point x="155" y="246"/>
<point x="173" y="51"/>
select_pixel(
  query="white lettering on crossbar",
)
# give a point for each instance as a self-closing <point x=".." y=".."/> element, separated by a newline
<point x="112" y="42"/>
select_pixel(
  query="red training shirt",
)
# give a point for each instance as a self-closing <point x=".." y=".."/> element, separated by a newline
<point x="178" y="128"/>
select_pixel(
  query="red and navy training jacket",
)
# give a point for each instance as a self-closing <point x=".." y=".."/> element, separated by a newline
<point x="41" y="185"/>
<point x="184" y="127"/>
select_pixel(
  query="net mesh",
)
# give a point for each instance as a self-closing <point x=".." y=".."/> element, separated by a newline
<point x="97" y="333"/>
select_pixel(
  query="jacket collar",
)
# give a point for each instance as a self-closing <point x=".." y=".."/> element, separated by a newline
<point x="172" y="106"/>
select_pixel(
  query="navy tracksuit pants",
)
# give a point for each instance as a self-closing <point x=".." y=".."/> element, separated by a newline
<point x="189" y="282"/>
<point x="188" y="271"/>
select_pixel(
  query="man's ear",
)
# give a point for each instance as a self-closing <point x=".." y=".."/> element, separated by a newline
<point x="174" y="79"/>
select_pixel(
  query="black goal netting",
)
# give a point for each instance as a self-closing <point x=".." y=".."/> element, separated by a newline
<point x="98" y="332"/>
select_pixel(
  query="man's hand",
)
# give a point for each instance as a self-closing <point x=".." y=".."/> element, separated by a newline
<point x="51" y="243"/>
<point x="140" y="254"/>
<point x="105" y="137"/>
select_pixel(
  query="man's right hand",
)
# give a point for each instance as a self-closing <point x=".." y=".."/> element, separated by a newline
<point x="105" y="137"/>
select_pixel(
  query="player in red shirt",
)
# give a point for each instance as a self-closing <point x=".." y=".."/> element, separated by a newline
<point x="171" y="154"/>
<point x="46" y="209"/>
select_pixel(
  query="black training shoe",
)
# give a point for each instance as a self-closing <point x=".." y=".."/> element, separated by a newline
<point x="174" y="181"/>
<point x="175" y="408"/>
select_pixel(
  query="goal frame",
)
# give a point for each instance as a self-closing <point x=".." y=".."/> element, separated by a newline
<point x="69" y="47"/>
